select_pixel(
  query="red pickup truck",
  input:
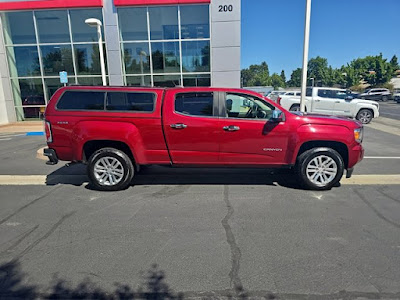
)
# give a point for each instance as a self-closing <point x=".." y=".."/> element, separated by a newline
<point x="115" y="130"/>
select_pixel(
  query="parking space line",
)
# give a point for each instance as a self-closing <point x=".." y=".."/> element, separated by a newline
<point x="11" y="135"/>
<point x="372" y="180"/>
<point x="382" y="157"/>
<point x="23" y="179"/>
<point x="6" y="139"/>
<point x="42" y="179"/>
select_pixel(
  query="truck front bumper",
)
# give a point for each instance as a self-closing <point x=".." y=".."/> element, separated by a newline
<point x="52" y="156"/>
<point x="356" y="154"/>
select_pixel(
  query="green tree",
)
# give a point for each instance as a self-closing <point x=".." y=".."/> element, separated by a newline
<point x="394" y="63"/>
<point x="295" y="78"/>
<point x="276" y="81"/>
<point x="283" y="76"/>
<point x="256" y="75"/>
<point x="319" y="70"/>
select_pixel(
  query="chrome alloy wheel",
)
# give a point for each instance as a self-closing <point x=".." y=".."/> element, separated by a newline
<point x="365" y="117"/>
<point x="108" y="171"/>
<point x="321" y="170"/>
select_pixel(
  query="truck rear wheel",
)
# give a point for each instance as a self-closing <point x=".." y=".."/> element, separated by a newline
<point x="295" y="107"/>
<point x="110" y="169"/>
<point x="320" y="168"/>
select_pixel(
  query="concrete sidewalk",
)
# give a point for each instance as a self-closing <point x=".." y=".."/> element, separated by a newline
<point x="387" y="125"/>
<point x="22" y="127"/>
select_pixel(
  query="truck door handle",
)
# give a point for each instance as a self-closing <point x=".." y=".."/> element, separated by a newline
<point x="178" y="126"/>
<point x="317" y="100"/>
<point x="231" y="128"/>
<point x="337" y="101"/>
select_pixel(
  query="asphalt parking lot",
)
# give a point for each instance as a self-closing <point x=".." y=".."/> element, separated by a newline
<point x="200" y="233"/>
<point x="390" y="109"/>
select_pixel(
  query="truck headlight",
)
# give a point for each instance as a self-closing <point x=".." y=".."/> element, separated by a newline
<point x="359" y="134"/>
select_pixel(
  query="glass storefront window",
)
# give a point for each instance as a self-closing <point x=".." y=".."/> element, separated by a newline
<point x="53" y="84"/>
<point x="136" y="58"/>
<point x="18" y="28"/>
<point x="164" y="22"/>
<point x="196" y="56"/>
<point x="87" y="59"/>
<point x="195" y="22"/>
<point x="138" y="80"/>
<point x="23" y="61"/>
<point x="57" y="59"/>
<point x="81" y="32"/>
<point x="52" y="26"/>
<point x="165" y="57"/>
<point x="167" y="80"/>
<point x="197" y="80"/>
<point x="32" y="86"/>
<point x="28" y="97"/>
<point x="133" y="23"/>
<point x="90" y="80"/>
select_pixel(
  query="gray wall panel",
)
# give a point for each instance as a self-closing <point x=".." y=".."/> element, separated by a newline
<point x="225" y="34"/>
<point x="225" y="43"/>
<point x="114" y="67"/>
<point x="226" y="79"/>
<point x="116" y="80"/>
<point x="7" y="114"/>
<point x="114" y="61"/>
<point x="222" y="16"/>
<point x="226" y="59"/>
<point x="3" y="65"/>
<point x="112" y="37"/>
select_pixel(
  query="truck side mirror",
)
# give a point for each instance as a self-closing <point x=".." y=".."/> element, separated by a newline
<point x="277" y="116"/>
<point x="349" y="98"/>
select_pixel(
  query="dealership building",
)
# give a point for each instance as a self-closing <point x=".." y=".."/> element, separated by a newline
<point x="146" y="43"/>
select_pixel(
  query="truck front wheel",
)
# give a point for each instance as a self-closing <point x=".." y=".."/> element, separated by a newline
<point x="320" y="168"/>
<point x="110" y="169"/>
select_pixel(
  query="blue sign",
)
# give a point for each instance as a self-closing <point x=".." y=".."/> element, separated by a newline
<point x="63" y="77"/>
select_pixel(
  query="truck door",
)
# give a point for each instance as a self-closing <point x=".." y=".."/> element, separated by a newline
<point x="191" y="126"/>
<point x="323" y="101"/>
<point x="247" y="136"/>
<point x="342" y="107"/>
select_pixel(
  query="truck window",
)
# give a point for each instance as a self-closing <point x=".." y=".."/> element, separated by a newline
<point x="340" y="94"/>
<point x="130" y="101"/>
<point x="247" y="107"/>
<point x="81" y="100"/>
<point x="195" y="104"/>
<point x="308" y="92"/>
<point x="327" y="93"/>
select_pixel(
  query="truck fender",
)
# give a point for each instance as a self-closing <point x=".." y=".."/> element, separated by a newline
<point x="124" y="132"/>
<point x="320" y="135"/>
<point x="361" y="106"/>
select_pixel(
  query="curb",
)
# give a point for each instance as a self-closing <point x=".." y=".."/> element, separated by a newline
<point x="39" y="154"/>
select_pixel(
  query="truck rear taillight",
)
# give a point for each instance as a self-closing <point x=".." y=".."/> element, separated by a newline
<point x="278" y="100"/>
<point x="49" y="135"/>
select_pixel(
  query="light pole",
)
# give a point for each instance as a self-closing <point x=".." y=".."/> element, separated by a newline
<point x="92" y="22"/>
<point x="305" y="56"/>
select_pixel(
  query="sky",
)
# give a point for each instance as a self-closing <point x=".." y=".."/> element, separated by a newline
<point x="341" y="30"/>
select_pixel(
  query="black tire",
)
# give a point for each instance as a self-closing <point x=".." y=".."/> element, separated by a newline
<point x="124" y="166"/>
<point x="295" y="107"/>
<point x="327" y="155"/>
<point x="385" y="98"/>
<point x="365" y="116"/>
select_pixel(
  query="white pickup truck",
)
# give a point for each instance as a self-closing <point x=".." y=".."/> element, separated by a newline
<point x="333" y="101"/>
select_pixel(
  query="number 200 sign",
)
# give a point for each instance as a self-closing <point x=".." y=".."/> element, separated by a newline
<point x="225" y="8"/>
